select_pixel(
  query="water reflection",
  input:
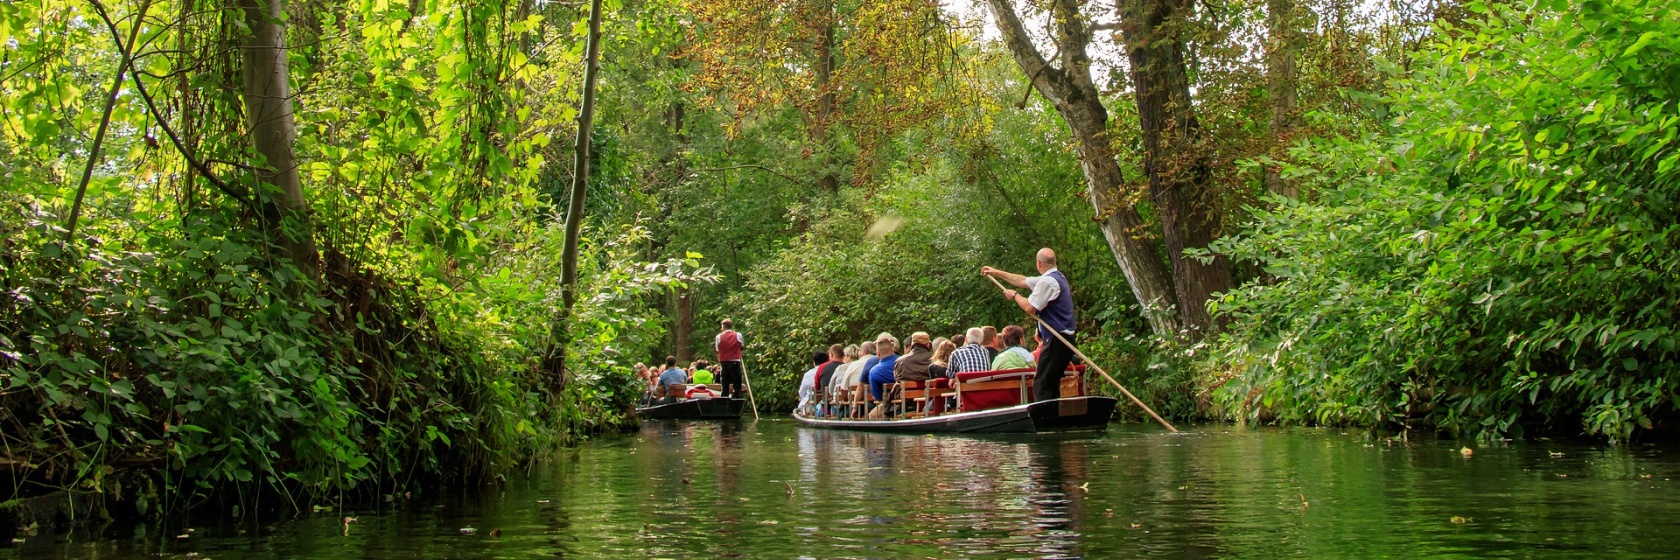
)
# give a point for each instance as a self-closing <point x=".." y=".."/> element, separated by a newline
<point x="773" y="490"/>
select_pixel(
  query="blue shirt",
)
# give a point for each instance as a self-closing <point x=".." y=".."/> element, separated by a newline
<point x="881" y="374"/>
<point x="672" y="376"/>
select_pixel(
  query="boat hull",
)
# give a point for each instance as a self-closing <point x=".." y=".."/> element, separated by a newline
<point x="1071" y="414"/>
<point x="696" y="409"/>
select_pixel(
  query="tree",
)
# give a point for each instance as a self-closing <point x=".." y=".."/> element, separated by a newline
<point x="1282" y="43"/>
<point x="580" y="176"/>
<point x="824" y="113"/>
<point x="856" y="72"/>
<point x="268" y="116"/>
<point x="1175" y="153"/>
<point x="1069" y="88"/>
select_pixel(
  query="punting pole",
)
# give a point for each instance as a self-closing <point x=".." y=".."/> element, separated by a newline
<point x="748" y="382"/>
<point x="1093" y="364"/>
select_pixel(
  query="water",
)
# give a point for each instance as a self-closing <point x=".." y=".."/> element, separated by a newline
<point x="772" y="489"/>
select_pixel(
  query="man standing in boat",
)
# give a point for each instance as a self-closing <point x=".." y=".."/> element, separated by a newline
<point x="728" y="345"/>
<point x="1051" y="300"/>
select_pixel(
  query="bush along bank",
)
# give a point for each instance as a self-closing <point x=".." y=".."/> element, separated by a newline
<point x="159" y="374"/>
<point x="1499" y="256"/>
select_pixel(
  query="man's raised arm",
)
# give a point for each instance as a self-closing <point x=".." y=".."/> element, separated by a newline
<point x="1017" y="280"/>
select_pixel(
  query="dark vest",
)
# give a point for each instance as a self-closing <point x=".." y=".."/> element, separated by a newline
<point x="1059" y="312"/>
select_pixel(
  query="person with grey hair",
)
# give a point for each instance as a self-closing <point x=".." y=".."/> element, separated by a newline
<point x="858" y="373"/>
<point x="971" y="356"/>
<point x="886" y="348"/>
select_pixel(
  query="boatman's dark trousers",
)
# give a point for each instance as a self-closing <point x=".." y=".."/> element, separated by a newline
<point x="730" y="377"/>
<point x="1052" y="362"/>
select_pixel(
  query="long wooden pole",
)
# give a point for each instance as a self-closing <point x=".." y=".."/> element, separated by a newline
<point x="748" y="382"/>
<point x="1094" y="365"/>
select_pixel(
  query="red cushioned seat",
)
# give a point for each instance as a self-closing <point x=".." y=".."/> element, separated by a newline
<point x="998" y="388"/>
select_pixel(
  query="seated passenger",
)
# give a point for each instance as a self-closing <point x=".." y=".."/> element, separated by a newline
<point x="702" y="376"/>
<point x="989" y="340"/>
<point x="858" y="374"/>
<point x="825" y="376"/>
<point x="970" y="356"/>
<point x="882" y="373"/>
<point x="1013" y="356"/>
<point x="643" y="382"/>
<point x="848" y="362"/>
<point x="808" y="382"/>
<point x="939" y="367"/>
<point x="918" y="356"/>
<point x="671" y="376"/>
<point x="825" y="372"/>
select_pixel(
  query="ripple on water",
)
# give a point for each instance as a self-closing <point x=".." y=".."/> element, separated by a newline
<point x="775" y="490"/>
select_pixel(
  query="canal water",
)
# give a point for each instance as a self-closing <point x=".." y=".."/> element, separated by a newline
<point x="771" y="489"/>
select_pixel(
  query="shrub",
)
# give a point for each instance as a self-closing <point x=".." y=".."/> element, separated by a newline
<point x="1502" y="255"/>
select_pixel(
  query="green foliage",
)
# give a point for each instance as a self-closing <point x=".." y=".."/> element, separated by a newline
<point x="992" y="202"/>
<point x="186" y="354"/>
<point x="166" y="356"/>
<point x="836" y="285"/>
<point x="1502" y="255"/>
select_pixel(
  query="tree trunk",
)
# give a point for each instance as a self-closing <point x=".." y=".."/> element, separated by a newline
<point x="555" y="363"/>
<point x="1175" y="154"/>
<point x="685" y="325"/>
<point x="268" y="114"/>
<point x="683" y="309"/>
<point x="1070" y="90"/>
<point x="1282" y="42"/>
<point x="825" y="98"/>
<point x="580" y="161"/>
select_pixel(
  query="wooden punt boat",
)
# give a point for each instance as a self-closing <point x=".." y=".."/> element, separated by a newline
<point x="1070" y="414"/>
<point x="989" y="402"/>
<point x="695" y="409"/>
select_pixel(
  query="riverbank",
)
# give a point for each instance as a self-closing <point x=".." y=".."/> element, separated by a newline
<point x="177" y="374"/>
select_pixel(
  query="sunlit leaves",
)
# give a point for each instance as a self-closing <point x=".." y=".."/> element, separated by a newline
<point x="168" y="330"/>
<point x="1505" y="257"/>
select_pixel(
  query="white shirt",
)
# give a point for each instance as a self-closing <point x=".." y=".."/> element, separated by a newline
<point x="843" y="376"/>
<point x="855" y="375"/>
<point x="805" y="388"/>
<point x="1044" y="289"/>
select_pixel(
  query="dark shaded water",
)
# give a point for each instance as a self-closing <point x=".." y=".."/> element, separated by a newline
<point x="772" y="489"/>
